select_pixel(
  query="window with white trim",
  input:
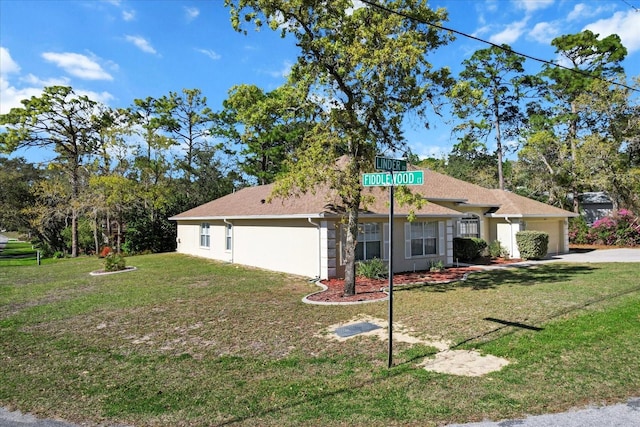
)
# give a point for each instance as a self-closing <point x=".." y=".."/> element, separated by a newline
<point x="369" y="241"/>
<point x="205" y="236"/>
<point x="469" y="226"/>
<point x="227" y="237"/>
<point x="421" y="239"/>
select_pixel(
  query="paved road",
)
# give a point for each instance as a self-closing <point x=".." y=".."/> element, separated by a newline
<point x="622" y="415"/>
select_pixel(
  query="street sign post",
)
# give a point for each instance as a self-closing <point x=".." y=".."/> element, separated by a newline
<point x="387" y="164"/>
<point x="386" y="179"/>
<point x="396" y="174"/>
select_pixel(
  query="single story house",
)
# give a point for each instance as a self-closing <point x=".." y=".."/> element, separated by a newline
<point x="305" y="234"/>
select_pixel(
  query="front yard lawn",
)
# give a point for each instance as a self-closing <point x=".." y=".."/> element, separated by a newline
<point x="187" y="341"/>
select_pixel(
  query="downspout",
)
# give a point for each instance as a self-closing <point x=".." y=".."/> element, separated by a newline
<point x="319" y="247"/>
<point x="225" y="237"/>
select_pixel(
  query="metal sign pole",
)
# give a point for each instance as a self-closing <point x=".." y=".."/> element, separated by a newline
<point x="390" y="272"/>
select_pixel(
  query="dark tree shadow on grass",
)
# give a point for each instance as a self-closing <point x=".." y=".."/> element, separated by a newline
<point x="512" y="276"/>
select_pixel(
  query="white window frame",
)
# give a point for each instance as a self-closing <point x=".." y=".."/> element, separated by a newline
<point x="364" y="232"/>
<point x="205" y="235"/>
<point x="228" y="237"/>
<point x="436" y="235"/>
<point x="465" y="224"/>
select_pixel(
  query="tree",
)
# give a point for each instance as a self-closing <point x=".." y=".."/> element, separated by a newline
<point x="17" y="178"/>
<point x="607" y="155"/>
<point x="564" y="125"/>
<point x="490" y="89"/>
<point x="191" y="127"/>
<point x="368" y="69"/>
<point x="470" y="162"/>
<point x="62" y="121"/>
<point x="268" y="126"/>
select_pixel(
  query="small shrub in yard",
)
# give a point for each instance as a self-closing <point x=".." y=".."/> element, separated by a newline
<point x="496" y="250"/>
<point x="468" y="248"/>
<point x="436" y="266"/>
<point x="371" y="269"/>
<point x="114" y="262"/>
<point x="532" y="244"/>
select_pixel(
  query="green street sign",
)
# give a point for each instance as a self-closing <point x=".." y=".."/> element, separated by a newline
<point x="387" y="164"/>
<point x="399" y="178"/>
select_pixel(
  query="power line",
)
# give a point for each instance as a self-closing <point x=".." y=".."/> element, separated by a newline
<point x="509" y="50"/>
<point x="630" y="5"/>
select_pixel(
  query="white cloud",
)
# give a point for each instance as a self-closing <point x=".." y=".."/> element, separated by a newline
<point x="141" y="43"/>
<point x="210" y="53"/>
<point x="624" y="24"/>
<point x="510" y="34"/>
<point x="128" y="15"/>
<point x="192" y="13"/>
<point x="544" y="32"/>
<point x="7" y="64"/>
<point x="11" y="96"/>
<point x="583" y="11"/>
<point x="532" y="5"/>
<point x="577" y="12"/>
<point x="78" y="65"/>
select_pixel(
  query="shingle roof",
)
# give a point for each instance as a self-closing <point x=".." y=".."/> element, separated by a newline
<point x="253" y="202"/>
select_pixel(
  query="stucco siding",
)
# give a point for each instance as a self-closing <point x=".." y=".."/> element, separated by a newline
<point x="553" y="227"/>
<point x="288" y="246"/>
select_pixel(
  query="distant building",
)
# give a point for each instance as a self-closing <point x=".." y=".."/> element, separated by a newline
<point x="595" y="205"/>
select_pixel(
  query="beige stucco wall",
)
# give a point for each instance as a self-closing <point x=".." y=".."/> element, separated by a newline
<point x="313" y="249"/>
<point x="290" y="246"/>
<point x="555" y="228"/>
<point x="188" y="240"/>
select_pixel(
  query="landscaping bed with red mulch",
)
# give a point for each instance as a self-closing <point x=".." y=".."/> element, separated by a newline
<point x="373" y="289"/>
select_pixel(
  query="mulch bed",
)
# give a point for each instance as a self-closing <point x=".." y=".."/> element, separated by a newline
<point x="373" y="289"/>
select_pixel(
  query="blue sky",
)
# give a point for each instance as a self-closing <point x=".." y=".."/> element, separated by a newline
<point x="118" y="50"/>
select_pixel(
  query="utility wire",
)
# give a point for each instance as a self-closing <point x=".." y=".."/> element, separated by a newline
<point x="544" y="61"/>
<point x="630" y="5"/>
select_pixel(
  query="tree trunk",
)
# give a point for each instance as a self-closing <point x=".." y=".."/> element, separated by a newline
<point x="499" y="151"/>
<point x="350" y="252"/>
<point x="74" y="232"/>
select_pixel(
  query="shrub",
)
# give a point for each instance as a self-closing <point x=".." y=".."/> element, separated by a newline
<point x="105" y="251"/>
<point x="532" y="244"/>
<point x="622" y="228"/>
<point x="496" y="250"/>
<point x="371" y="269"/>
<point x="436" y="266"/>
<point x="114" y="262"/>
<point x="578" y="230"/>
<point x="468" y="248"/>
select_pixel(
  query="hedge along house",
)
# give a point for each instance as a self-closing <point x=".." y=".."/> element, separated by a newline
<point x="305" y="234"/>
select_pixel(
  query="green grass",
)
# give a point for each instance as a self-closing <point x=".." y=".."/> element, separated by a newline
<point x="186" y="341"/>
<point x="19" y="254"/>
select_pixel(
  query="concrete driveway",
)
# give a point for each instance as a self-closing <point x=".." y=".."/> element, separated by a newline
<point x="599" y="255"/>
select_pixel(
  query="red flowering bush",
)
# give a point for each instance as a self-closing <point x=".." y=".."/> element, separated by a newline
<point x="622" y="228"/>
<point x="105" y="251"/>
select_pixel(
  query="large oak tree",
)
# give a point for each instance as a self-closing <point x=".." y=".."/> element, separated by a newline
<point x="367" y="67"/>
